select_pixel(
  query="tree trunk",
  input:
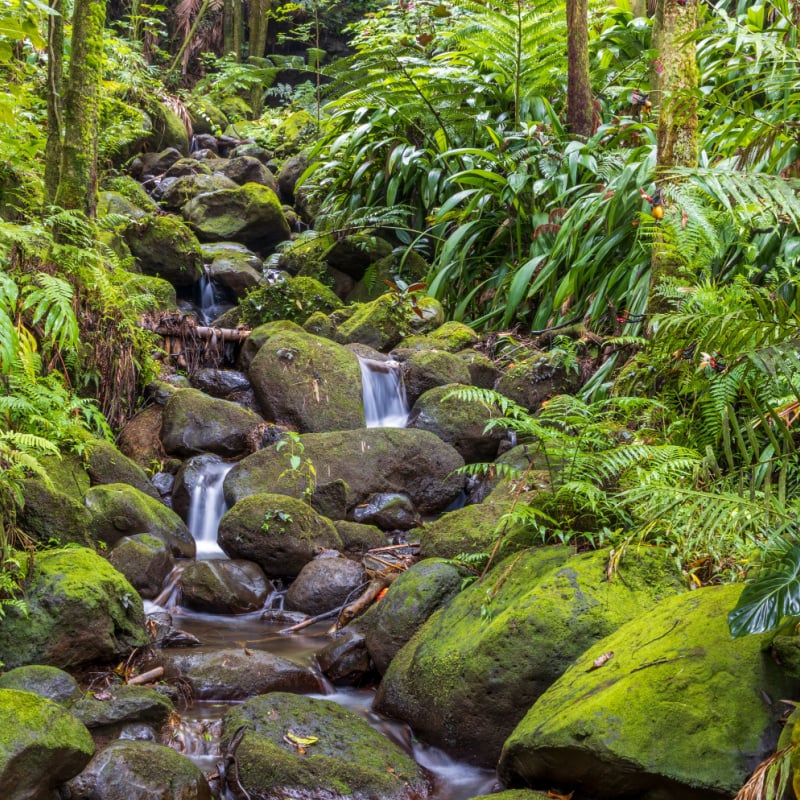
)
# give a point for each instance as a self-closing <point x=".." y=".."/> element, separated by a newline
<point x="55" y="80"/>
<point x="78" y="178"/>
<point x="233" y="22"/>
<point x="259" y="10"/>
<point x="579" y="89"/>
<point x="675" y="94"/>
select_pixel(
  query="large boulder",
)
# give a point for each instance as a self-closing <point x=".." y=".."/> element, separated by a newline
<point x="122" y="704"/>
<point x="248" y="169"/>
<point x="451" y="336"/>
<point x="179" y="191"/>
<point x="426" y="369"/>
<point x="288" y="298"/>
<point x="308" y="382"/>
<point x="533" y="380"/>
<point x="459" y="421"/>
<point x="195" y="423"/>
<point x="669" y="706"/>
<point x="250" y="214"/>
<point x="79" y="610"/>
<point x="120" y="510"/>
<point x="325" y="584"/>
<point x="50" y="515"/>
<point x="41" y="746"/>
<point x="279" y="533"/>
<point x="380" y="324"/>
<point x="234" y="266"/>
<point x="343" y="757"/>
<point x="369" y="461"/>
<point x="145" y="560"/>
<point x="106" y="464"/>
<point x="140" y="439"/>
<point x="230" y="674"/>
<point x="135" y="770"/>
<point x="224" y="586"/>
<point x="164" y="246"/>
<point x="470" y="673"/>
<point x="259" y="335"/>
<point x="50" y="682"/>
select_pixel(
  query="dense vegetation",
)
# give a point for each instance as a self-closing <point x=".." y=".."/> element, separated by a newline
<point x="447" y="124"/>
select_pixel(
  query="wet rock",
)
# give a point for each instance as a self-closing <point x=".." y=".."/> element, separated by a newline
<point x="292" y="169"/>
<point x="358" y="537"/>
<point x="331" y="499"/>
<point x="165" y="246"/>
<point x="427" y="369"/>
<point x="389" y="511"/>
<point x="248" y="169"/>
<point x="220" y="382"/>
<point x="413" y="596"/>
<point x="165" y="634"/>
<point x="451" y="336"/>
<point x="310" y="383"/>
<point x="137" y="770"/>
<point x="370" y="461"/>
<point x="106" y="464"/>
<point x="150" y="164"/>
<point x="48" y="682"/>
<point x="254" y="150"/>
<point x="195" y="423"/>
<point x="259" y="335"/>
<point x="379" y="324"/>
<point x="120" y="704"/>
<point x="182" y="189"/>
<point x="41" y="745"/>
<point x="120" y="510"/>
<point x="465" y="680"/>
<point x="461" y="422"/>
<point x="140" y="439"/>
<point x="345" y="659"/>
<point x="347" y="757"/>
<point x="145" y="560"/>
<point x="80" y="610"/>
<point x="223" y="586"/>
<point x="482" y="370"/>
<point x="325" y="584"/>
<point x="189" y="166"/>
<point x="353" y="254"/>
<point x="52" y="515"/>
<point x="234" y="267"/>
<point x="231" y="674"/>
<point x="680" y="711"/>
<point x="250" y="214"/>
<point x="277" y="532"/>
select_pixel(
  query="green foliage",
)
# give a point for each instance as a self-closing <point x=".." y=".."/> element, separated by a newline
<point x="300" y="469"/>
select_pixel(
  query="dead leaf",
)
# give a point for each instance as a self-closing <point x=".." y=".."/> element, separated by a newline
<point x="104" y="695"/>
<point x="559" y="796"/>
<point x="601" y="660"/>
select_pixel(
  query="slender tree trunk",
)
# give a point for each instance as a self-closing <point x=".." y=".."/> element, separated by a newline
<point x="675" y="94"/>
<point x="259" y="20"/>
<point x="233" y="22"/>
<point x="77" y="183"/>
<point x="579" y="90"/>
<point x="55" y="80"/>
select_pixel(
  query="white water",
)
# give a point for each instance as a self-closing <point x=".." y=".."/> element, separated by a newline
<point x="385" y="404"/>
<point x="211" y="300"/>
<point x="207" y="506"/>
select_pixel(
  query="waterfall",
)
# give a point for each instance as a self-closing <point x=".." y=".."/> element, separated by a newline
<point x="207" y="505"/>
<point x="385" y="404"/>
<point x="211" y="299"/>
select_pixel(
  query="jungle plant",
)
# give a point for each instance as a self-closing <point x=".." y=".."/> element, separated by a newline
<point x="301" y="471"/>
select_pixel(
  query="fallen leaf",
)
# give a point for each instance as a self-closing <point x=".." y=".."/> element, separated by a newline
<point x="104" y="695"/>
<point x="300" y="741"/>
<point x="559" y="796"/>
<point x="601" y="660"/>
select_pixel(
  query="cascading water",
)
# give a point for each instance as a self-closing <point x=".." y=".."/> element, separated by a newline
<point x="211" y="300"/>
<point x="385" y="404"/>
<point x="207" y="505"/>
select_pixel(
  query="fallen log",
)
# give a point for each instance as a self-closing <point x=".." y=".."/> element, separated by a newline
<point x="167" y="327"/>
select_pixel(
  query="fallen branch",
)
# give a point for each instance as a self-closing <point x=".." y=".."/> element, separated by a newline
<point x="366" y="598"/>
<point x="185" y="326"/>
<point x="146" y="677"/>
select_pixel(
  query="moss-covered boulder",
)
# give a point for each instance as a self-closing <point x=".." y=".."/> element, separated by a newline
<point x="123" y="704"/>
<point x="459" y="421"/>
<point x="179" y="190"/>
<point x="353" y="254"/>
<point x="248" y="169"/>
<point x="53" y="516"/>
<point x="482" y="370"/>
<point x="164" y="246"/>
<point x="169" y="129"/>
<point x="451" y="336"/>
<point x="369" y="461"/>
<point x="538" y="378"/>
<point x="310" y="383"/>
<point x="119" y="205"/>
<point x="380" y="324"/>
<point x="346" y="758"/>
<point x="412" y="598"/>
<point x="259" y="335"/>
<point x="50" y="682"/>
<point x="357" y="537"/>
<point x="195" y="423"/>
<point x="279" y="533"/>
<point x="426" y="369"/>
<point x="41" y="746"/>
<point x="134" y="770"/>
<point x="145" y="560"/>
<point x="149" y="292"/>
<point x="234" y="267"/>
<point x="470" y="673"/>
<point x="292" y="299"/>
<point x="120" y="510"/>
<point x="106" y="464"/>
<point x="80" y="610"/>
<point x="291" y="170"/>
<point x="668" y="706"/>
<point x="140" y="439"/>
<point x="250" y="214"/>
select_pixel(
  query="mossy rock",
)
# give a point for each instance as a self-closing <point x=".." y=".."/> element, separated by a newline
<point x="259" y="335"/>
<point x="41" y="746"/>
<point x="279" y="533"/>
<point x="452" y="336"/>
<point x="678" y="710"/>
<point x="533" y="380"/>
<point x="308" y="382"/>
<point x="482" y="370"/>
<point x="412" y="598"/>
<point x="347" y="759"/>
<point x="132" y="191"/>
<point x="165" y="246"/>
<point x="119" y="510"/>
<point x="145" y="560"/>
<point x="319" y="324"/>
<point x="117" y="204"/>
<point x="106" y="464"/>
<point x="354" y="254"/>
<point x="140" y="439"/>
<point x="195" y="423"/>
<point x="50" y="682"/>
<point x="380" y="324"/>
<point x="150" y="292"/>
<point x="357" y="537"/>
<point x="369" y="461"/>
<point x="80" y="610"/>
<point x="135" y="770"/>
<point x="306" y="256"/>
<point x="126" y="704"/>
<point x="426" y="369"/>
<point x="206" y="117"/>
<point x="470" y="673"/>
<point x="177" y="192"/>
<point x="168" y="130"/>
<point x="292" y="299"/>
<point x="250" y="214"/>
<point x="52" y="516"/>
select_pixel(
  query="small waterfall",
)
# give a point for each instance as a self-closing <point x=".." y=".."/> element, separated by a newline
<point x="385" y="404"/>
<point x="211" y="299"/>
<point x="207" y="505"/>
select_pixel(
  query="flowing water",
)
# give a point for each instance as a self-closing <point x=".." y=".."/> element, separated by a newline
<point x="211" y="300"/>
<point x="385" y="404"/>
<point x="207" y="505"/>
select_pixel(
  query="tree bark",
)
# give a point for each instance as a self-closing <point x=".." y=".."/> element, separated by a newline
<point x="55" y="81"/>
<point x="579" y="90"/>
<point x="77" y="183"/>
<point x="675" y="84"/>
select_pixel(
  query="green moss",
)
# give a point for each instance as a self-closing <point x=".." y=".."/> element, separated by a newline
<point x="165" y="246"/>
<point x="151" y="293"/>
<point x="131" y="190"/>
<point x="380" y="324"/>
<point x="452" y="336"/>
<point x="294" y="299"/>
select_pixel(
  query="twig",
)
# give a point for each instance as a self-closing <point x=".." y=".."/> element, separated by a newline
<point x="146" y="677"/>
